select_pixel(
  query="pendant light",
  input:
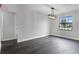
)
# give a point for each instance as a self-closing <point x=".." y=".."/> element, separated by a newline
<point x="52" y="15"/>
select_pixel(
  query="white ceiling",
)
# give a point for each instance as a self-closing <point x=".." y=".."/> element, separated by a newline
<point x="59" y="8"/>
<point x="62" y="8"/>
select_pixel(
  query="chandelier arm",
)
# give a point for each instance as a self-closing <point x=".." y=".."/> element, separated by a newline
<point x="52" y="9"/>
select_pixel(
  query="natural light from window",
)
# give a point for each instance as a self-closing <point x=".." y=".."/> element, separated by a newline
<point x="65" y="23"/>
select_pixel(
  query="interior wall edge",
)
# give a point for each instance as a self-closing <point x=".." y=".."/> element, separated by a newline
<point x="8" y="39"/>
<point x="31" y="38"/>
<point x="64" y="37"/>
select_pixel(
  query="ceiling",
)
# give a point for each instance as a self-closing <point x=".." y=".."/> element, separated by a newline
<point x="62" y="8"/>
<point x="59" y="8"/>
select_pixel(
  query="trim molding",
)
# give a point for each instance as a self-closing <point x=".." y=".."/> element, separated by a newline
<point x="30" y="38"/>
<point x="9" y="39"/>
<point x="64" y="37"/>
<point x="8" y="43"/>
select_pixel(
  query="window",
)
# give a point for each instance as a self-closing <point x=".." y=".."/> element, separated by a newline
<point x="65" y="23"/>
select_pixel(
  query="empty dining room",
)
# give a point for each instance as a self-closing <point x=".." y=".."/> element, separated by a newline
<point x="39" y="28"/>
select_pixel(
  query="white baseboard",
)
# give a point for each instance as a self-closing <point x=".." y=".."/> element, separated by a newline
<point x="72" y="38"/>
<point x="8" y="39"/>
<point x="31" y="38"/>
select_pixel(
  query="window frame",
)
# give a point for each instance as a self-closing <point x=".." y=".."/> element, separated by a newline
<point x="64" y="18"/>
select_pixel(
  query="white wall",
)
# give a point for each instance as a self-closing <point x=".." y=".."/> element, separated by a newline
<point x="0" y="29"/>
<point x="31" y="24"/>
<point x="8" y="11"/>
<point x="9" y="7"/>
<point x="8" y="26"/>
<point x="0" y="25"/>
<point x="74" y="34"/>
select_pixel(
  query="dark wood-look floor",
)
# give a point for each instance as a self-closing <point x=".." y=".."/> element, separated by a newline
<point x="44" y="45"/>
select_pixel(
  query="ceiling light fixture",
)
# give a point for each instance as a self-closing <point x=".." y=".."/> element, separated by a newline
<point x="52" y="15"/>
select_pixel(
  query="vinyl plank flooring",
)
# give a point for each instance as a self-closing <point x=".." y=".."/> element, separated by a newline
<point x="44" y="45"/>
